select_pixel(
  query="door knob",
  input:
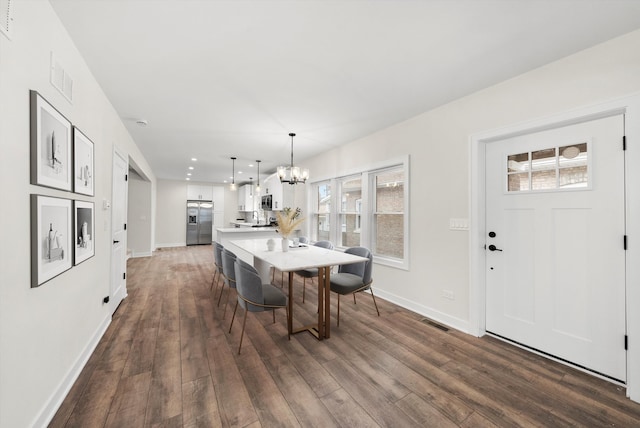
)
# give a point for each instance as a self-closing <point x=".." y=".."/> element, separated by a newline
<point x="115" y="242"/>
<point x="494" y="248"/>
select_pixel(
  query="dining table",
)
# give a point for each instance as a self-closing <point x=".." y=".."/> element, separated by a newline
<point x="296" y="258"/>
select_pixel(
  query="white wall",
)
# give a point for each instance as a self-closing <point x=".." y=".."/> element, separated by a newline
<point x="438" y="144"/>
<point x="139" y="229"/>
<point x="46" y="332"/>
<point x="171" y="205"/>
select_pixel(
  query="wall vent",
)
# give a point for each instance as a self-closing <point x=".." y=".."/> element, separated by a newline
<point x="60" y="79"/>
<point x="6" y="18"/>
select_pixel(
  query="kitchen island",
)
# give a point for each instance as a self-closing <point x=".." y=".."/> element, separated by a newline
<point x="227" y="234"/>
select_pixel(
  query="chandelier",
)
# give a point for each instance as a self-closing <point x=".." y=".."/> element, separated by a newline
<point x="292" y="174"/>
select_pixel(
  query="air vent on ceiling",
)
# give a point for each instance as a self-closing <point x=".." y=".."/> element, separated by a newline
<point x="6" y="18"/>
<point x="60" y="79"/>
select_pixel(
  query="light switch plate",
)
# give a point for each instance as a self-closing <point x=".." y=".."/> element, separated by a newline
<point x="458" y="224"/>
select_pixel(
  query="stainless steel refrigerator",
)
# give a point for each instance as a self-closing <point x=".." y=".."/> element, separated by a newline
<point x="199" y="222"/>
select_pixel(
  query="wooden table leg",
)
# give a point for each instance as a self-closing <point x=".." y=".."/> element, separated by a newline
<point x="327" y="302"/>
<point x="321" y="327"/>
<point x="290" y="315"/>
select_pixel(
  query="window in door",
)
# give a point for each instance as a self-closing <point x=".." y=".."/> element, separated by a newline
<point x="560" y="167"/>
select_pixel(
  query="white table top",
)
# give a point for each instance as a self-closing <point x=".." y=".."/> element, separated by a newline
<point x="296" y="258"/>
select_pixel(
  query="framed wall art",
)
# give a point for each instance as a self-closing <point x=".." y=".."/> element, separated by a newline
<point x="82" y="163"/>
<point x="51" y="237"/>
<point x="84" y="222"/>
<point x="50" y="145"/>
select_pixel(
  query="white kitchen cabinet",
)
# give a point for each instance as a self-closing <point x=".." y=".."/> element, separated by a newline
<point x="272" y="186"/>
<point x="218" y="198"/>
<point x="246" y="198"/>
<point x="198" y="192"/>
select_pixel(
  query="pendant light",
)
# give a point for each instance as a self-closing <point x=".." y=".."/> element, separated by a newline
<point x="292" y="174"/>
<point x="258" y="185"/>
<point x="233" y="186"/>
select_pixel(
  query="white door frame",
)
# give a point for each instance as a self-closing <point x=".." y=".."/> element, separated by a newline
<point x="630" y="106"/>
<point x="116" y="299"/>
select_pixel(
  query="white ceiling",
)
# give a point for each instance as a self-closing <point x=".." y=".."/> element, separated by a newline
<point x="217" y="79"/>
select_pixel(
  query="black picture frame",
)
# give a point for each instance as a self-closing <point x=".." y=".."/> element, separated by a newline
<point x="83" y="163"/>
<point x="50" y="145"/>
<point x="51" y="237"/>
<point x="84" y="222"/>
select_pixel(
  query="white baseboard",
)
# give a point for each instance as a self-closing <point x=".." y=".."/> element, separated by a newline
<point x="53" y="404"/>
<point x="136" y="255"/>
<point x="442" y="318"/>
<point x="169" y="245"/>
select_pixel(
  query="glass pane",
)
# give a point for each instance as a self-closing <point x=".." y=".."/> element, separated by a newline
<point x="350" y="227"/>
<point x="518" y="163"/>
<point x="351" y="193"/>
<point x="389" y="235"/>
<point x="543" y="159"/>
<point x="542" y="180"/>
<point x="575" y="177"/>
<point x="571" y="156"/>
<point x="322" y="224"/>
<point x="324" y="198"/>
<point x="518" y="182"/>
<point x="390" y="191"/>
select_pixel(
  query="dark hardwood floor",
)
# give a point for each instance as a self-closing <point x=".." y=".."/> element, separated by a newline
<point x="168" y="360"/>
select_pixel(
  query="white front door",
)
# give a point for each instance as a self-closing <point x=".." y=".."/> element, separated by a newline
<point x="555" y="270"/>
<point x="118" y="231"/>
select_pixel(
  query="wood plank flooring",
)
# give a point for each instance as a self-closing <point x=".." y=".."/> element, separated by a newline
<point x="168" y="360"/>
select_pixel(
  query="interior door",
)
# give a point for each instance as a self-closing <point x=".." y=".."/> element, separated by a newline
<point x="555" y="269"/>
<point x="118" y="230"/>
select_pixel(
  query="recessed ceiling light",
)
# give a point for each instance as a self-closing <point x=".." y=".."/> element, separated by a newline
<point x="224" y="181"/>
<point x="239" y="172"/>
<point x="250" y="165"/>
<point x="194" y="159"/>
<point x="190" y="167"/>
<point x="188" y="179"/>
<point x="189" y="174"/>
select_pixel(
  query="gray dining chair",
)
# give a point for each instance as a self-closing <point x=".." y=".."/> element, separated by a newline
<point x="312" y="272"/>
<point x="217" y="259"/>
<point x="354" y="278"/>
<point x="253" y="296"/>
<point x="229" y="276"/>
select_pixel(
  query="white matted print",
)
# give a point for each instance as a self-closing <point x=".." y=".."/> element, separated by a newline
<point x="83" y="163"/>
<point x="50" y="145"/>
<point x="83" y="231"/>
<point x="51" y="237"/>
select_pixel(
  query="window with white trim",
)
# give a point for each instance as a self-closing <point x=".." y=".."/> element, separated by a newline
<point x="388" y="213"/>
<point x="322" y="212"/>
<point x="349" y="214"/>
<point x="368" y="209"/>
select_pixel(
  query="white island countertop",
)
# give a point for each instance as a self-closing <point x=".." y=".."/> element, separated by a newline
<point x="246" y="229"/>
<point x="226" y="234"/>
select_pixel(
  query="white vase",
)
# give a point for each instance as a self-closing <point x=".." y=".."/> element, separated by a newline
<point x="285" y="245"/>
